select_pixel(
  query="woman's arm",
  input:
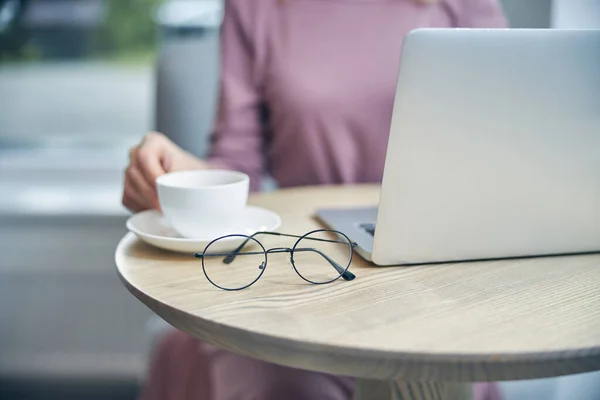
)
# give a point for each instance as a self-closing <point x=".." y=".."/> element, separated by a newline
<point x="238" y="135"/>
<point x="237" y="138"/>
<point x="482" y="14"/>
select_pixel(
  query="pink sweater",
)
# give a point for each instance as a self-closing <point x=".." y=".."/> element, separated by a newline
<point x="307" y="86"/>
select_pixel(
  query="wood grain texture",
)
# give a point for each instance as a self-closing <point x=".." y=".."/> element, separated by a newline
<point x="494" y="320"/>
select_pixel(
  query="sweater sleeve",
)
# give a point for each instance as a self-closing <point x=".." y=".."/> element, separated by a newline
<point x="482" y="14"/>
<point x="237" y="136"/>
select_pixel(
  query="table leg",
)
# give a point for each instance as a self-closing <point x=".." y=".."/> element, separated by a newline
<point x="368" y="389"/>
<point x="371" y="389"/>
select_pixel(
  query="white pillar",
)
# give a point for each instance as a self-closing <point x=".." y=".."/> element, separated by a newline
<point x="576" y="14"/>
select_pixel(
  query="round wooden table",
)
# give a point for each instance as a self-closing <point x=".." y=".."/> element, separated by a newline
<point x="428" y="329"/>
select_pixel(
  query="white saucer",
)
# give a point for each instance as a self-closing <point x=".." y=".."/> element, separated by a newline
<point x="151" y="227"/>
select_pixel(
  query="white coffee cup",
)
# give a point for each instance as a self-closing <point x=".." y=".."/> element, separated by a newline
<point x="203" y="204"/>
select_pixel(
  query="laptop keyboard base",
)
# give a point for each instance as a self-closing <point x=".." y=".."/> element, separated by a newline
<point x="370" y="228"/>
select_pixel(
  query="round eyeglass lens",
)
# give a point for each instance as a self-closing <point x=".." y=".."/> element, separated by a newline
<point x="234" y="262"/>
<point x="322" y="256"/>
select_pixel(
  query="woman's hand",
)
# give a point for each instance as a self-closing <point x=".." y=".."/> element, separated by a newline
<point x="154" y="156"/>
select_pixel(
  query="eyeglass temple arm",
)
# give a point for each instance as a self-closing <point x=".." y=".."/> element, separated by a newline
<point x="232" y="255"/>
<point x="246" y="253"/>
<point x="346" y="275"/>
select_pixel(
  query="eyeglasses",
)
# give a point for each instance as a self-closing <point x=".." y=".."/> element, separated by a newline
<point x="320" y="256"/>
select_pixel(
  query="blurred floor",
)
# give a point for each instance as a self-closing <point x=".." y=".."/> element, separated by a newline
<point x="56" y="390"/>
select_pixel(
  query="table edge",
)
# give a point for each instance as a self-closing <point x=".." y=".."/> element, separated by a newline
<point x="320" y="357"/>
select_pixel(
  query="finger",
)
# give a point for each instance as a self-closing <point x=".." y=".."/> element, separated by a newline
<point x="148" y="162"/>
<point x="151" y="137"/>
<point x="142" y="189"/>
<point x="167" y="162"/>
<point x="133" y="154"/>
<point x="131" y="201"/>
<point x="131" y="198"/>
<point x="134" y="200"/>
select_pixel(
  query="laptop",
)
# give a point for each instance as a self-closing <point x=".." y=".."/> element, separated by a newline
<point x="494" y="150"/>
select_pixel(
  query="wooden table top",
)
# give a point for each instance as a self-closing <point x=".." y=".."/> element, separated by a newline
<point x="492" y="320"/>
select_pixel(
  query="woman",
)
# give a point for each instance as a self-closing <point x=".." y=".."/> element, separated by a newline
<point x="306" y="95"/>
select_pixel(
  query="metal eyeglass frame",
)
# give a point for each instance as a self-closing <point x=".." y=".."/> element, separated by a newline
<point x="230" y="256"/>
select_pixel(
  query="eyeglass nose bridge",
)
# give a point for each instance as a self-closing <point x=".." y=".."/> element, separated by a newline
<point x="281" y="250"/>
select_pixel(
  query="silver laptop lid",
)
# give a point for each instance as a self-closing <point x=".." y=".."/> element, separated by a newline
<point x="494" y="148"/>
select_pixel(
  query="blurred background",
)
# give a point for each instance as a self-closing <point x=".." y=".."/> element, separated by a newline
<point x="80" y="82"/>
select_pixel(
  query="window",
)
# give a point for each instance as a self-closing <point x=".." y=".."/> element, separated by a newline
<point x="75" y="73"/>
